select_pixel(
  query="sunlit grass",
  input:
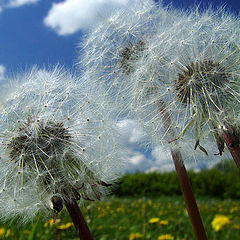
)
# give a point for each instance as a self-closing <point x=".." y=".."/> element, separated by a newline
<point x="143" y="218"/>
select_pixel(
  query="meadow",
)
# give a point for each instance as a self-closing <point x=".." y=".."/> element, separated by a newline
<point x="136" y="218"/>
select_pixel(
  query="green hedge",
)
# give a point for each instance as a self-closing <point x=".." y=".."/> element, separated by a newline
<point x="211" y="183"/>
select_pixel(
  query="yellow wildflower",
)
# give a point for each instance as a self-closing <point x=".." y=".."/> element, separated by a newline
<point x="133" y="236"/>
<point x="65" y="226"/>
<point x="219" y="222"/>
<point x="233" y="209"/>
<point x="51" y="221"/>
<point x="153" y="220"/>
<point x="26" y="232"/>
<point x="2" y="230"/>
<point x="236" y="226"/>
<point x="8" y="233"/>
<point x="185" y="212"/>
<point x="100" y="227"/>
<point x="150" y="202"/>
<point x="165" y="237"/>
<point x="119" y="209"/>
<point x="163" y="222"/>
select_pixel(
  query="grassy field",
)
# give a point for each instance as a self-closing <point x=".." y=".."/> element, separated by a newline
<point x="162" y="218"/>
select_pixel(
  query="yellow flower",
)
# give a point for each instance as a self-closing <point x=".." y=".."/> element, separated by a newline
<point x="133" y="236"/>
<point x="165" y="237"/>
<point x="51" y="221"/>
<point x="163" y="222"/>
<point x="100" y="227"/>
<point x="219" y="222"/>
<point x="2" y="230"/>
<point x="119" y="209"/>
<point x="26" y="232"/>
<point x="120" y="228"/>
<point x="150" y="202"/>
<point x="236" y="226"/>
<point x="65" y="226"/>
<point x="8" y="233"/>
<point x="185" y="212"/>
<point x="153" y="220"/>
<point x="233" y="209"/>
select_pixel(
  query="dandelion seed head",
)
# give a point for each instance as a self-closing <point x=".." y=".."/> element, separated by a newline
<point x="57" y="144"/>
<point x="193" y="67"/>
<point x="206" y="74"/>
<point x="130" y="54"/>
<point x="184" y="65"/>
<point x="110" y="52"/>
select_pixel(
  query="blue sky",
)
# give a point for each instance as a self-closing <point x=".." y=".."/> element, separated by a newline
<point x="26" y="39"/>
<point x="47" y="32"/>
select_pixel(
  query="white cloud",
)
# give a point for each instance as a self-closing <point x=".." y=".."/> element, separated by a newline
<point x="69" y="16"/>
<point x="158" y="158"/>
<point x="193" y="159"/>
<point x="137" y="162"/>
<point x="158" y="161"/>
<point x="18" y="3"/>
<point x="161" y="154"/>
<point x="131" y="132"/>
<point x="2" y="72"/>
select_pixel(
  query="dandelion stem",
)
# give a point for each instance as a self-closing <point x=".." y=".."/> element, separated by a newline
<point x="183" y="179"/>
<point x="190" y="201"/>
<point x="232" y="143"/>
<point x="78" y="220"/>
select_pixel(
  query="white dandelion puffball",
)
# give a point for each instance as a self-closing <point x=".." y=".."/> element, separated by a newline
<point x="191" y="71"/>
<point x="109" y="53"/>
<point x="57" y="144"/>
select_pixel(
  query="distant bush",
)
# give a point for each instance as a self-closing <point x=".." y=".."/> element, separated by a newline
<point x="211" y="183"/>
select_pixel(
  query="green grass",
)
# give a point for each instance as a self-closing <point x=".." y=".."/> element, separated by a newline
<point x="117" y="218"/>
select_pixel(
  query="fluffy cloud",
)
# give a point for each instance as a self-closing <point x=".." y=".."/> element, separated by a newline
<point x="193" y="159"/>
<point x="2" y="72"/>
<point x="158" y="158"/>
<point x="131" y="132"/>
<point x="69" y="16"/>
<point x="137" y="162"/>
<point x="15" y="3"/>
<point x="18" y="3"/>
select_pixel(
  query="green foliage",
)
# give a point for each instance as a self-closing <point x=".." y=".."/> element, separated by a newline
<point x="210" y="183"/>
<point x="124" y="218"/>
<point x="33" y="233"/>
<point x="227" y="166"/>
